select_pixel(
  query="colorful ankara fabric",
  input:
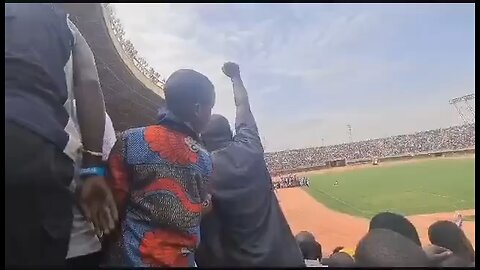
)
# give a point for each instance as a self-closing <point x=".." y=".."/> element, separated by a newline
<point x="158" y="177"/>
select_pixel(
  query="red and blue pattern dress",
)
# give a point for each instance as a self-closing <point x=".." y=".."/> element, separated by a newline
<point x="158" y="178"/>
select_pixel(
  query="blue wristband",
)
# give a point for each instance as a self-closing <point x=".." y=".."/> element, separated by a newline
<point x="92" y="171"/>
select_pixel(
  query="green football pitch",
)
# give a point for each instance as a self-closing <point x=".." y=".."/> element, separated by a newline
<point x="423" y="187"/>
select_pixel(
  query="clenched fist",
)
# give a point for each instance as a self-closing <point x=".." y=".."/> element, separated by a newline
<point x="231" y="69"/>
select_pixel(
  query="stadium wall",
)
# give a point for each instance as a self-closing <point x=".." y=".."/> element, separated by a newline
<point x="130" y="100"/>
<point x="128" y="62"/>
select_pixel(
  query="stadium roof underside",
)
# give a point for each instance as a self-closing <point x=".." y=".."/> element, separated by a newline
<point x="130" y="103"/>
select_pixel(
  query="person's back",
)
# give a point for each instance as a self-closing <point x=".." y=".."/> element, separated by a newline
<point x="256" y="233"/>
<point x="38" y="45"/>
<point x="386" y="248"/>
<point x="252" y="228"/>
<point x="158" y="175"/>
<point x="157" y="195"/>
<point x="38" y="70"/>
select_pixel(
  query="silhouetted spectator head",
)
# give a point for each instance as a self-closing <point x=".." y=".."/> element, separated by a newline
<point x="217" y="134"/>
<point x="190" y="96"/>
<point x="448" y="235"/>
<point x="386" y="248"/>
<point x="339" y="259"/>
<point x="310" y="248"/>
<point x="304" y="235"/>
<point x="396" y="223"/>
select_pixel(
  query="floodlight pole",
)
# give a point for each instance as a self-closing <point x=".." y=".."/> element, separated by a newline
<point x="349" y="127"/>
<point x="465" y="99"/>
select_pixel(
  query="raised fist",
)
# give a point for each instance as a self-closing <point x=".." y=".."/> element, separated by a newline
<point x="231" y="69"/>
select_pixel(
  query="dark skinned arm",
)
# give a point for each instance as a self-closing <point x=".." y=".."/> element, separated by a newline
<point x="96" y="199"/>
<point x="245" y="124"/>
<point x="89" y="100"/>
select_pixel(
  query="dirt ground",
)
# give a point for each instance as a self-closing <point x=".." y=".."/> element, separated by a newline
<point x="334" y="229"/>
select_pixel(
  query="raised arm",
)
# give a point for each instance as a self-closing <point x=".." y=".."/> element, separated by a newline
<point x="244" y="121"/>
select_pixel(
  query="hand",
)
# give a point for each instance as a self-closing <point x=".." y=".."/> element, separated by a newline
<point x="337" y="249"/>
<point x="436" y="254"/>
<point x="231" y="69"/>
<point x="98" y="205"/>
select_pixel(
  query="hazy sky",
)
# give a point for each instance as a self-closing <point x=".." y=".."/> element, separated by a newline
<point x="311" y="69"/>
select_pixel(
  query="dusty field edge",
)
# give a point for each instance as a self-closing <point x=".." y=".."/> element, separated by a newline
<point x="332" y="229"/>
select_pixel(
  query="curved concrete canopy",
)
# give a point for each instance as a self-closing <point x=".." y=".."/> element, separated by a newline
<point x="132" y="100"/>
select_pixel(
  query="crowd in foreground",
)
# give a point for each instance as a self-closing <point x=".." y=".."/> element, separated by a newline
<point x="76" y="195"/>
<point x="452" y="138"/>
<point x="392" y="241"/>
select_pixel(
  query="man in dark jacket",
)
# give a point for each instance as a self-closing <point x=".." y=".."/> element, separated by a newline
<point x="246" y="226"/>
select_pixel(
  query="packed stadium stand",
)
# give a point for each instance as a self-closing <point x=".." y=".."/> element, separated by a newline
<point x="437" y="140"/>
<point x="130" y="100"/>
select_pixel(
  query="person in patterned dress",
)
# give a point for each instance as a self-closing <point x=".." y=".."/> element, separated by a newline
<point x="158" y="177"/>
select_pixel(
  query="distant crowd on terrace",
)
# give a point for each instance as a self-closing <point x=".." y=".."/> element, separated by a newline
<point x="453" y="138"/>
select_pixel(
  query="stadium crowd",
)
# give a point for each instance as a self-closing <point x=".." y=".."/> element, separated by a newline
<point x="181" y="192"/>
<point x="452" y="138"/>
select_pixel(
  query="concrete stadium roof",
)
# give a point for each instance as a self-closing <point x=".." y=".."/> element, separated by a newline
<point x="131" y="99"/>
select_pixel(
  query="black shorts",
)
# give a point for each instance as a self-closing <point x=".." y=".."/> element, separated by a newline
<point x="38" y="202"/>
